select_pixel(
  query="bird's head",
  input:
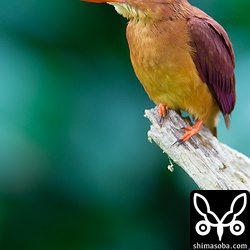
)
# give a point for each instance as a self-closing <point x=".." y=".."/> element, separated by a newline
<point x="141" y="9"/>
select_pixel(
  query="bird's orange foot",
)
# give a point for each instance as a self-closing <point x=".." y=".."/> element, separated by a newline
<point x="193" y="130"/>
<point x="162" y="109"/>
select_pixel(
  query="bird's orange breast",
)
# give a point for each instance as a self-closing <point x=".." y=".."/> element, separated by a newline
<point x="162" y="60"/>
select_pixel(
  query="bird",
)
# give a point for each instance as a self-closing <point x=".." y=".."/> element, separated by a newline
<point x="183" y="58"/>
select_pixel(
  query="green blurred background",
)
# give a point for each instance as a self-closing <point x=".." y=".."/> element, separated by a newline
<point x="76" y="168"/>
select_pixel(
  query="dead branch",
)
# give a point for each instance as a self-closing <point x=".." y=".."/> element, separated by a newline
<point x="210" y="163"/>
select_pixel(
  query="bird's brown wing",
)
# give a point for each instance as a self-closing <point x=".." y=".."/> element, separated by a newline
<point x="214" y="59"/>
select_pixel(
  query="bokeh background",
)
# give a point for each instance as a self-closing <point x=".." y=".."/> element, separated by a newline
<point x="76" y="169"/>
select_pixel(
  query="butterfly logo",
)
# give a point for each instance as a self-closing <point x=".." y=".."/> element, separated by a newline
<point x="210" y="219"/>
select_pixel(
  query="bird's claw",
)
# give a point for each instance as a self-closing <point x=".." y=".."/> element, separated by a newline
<point x="178" y="142"/>
<point x="191" y="131"/>
<point x="161" y="121"/>
<point x="162" y="109"/>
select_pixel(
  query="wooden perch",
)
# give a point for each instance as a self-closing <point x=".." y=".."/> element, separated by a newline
<point x="210" y="163"/>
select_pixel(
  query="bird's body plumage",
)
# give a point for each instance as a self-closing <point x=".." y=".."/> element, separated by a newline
<point x="164" y="66"/>
<point x="183" y="58"/>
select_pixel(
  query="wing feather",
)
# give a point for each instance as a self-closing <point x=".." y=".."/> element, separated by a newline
<point x="214" y="59"/>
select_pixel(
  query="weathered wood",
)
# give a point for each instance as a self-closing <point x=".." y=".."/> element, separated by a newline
<point x="210" y="163"/>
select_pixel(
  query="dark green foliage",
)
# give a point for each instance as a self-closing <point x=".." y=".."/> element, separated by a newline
<point x="76" y="169"/>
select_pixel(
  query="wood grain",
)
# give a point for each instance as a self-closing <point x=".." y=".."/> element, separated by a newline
<point x="211" y="164"/>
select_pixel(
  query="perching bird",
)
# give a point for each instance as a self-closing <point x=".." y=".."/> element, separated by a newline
<point x="183" y="58"/>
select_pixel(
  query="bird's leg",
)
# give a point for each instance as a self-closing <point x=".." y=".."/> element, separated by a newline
<point x="192" y="130"/>
<point x="162" y="109"/>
